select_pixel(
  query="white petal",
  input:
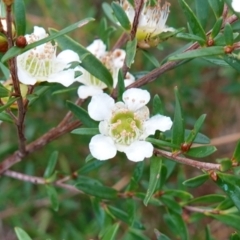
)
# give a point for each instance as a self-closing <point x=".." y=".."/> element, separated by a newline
<point x="139" y="150"/>
<point x="67" y="56"/>
<point x="97" y="48"/>
<point x="118" y="56"/>
<point x="103" y="128"/>
<point x="88" y="91"/>
<point x="136" y="98"/>
<point x="24" y="77"/>
<point x="66" y="77"/>
<point x="39" y="32"/>
<point x="157" y="122"/>
<point x="129" y="79"/>
<point x="100" y="107"/>
<point x="102" y="147"/>
<point x="236" y="5"/>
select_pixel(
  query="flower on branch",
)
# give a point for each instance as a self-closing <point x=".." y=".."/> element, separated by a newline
<point x="236" y="5"/>
<point x="41" y="64"/>
<point x="151" y="22"/>
<point x="124" y="126"/>
<point x="112" y="60"/>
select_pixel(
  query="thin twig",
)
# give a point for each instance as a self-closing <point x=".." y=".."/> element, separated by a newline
<point x="187" y="161"/>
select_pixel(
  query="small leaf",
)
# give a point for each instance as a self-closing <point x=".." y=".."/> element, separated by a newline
<point x="202" y="12"/>
<point x="197" y="126"/>
<point x="109" y="12"/>
<point x="171" y="204"/>
<point x="231" y="186"/>
<point x="196" y="181"/>
<point x="6" y="118"/>
<point x="208" y="199"/>
<point x="52" y="194"/>
<point x="160" y="236"/>
<point x="120" y="85"/>
<point x="226" y="164"/>
<point x="178" y="123"/>
<point x="192" y="20"/>
<point x="157" y="106"/>
<point x="191" y="37"/>
<point x="131" y="52"/>
<point x="202" y="52"/>
<point x="225" y="204"/>
<point x="208" y="233"/>
<point x="217" y="27"/>
<point x="161" y="143"/>
<point x="233" y="61"/>
<point x="228" y="34"/>
<point x="86" y="131"/>
<point x="5" y="71"/>
<point x="65" y="90"/>
<point x="111" y="232"/>
<point x="90" y="166"/>
<point x="14" y="51"/>
<point x="178" y="194"/>
<point x="217" y="7"/>
<point x="97" y="190"/>
<point x="235" y="236"/>
<point x="119" y="214"/>
<point x="155" y="168"/>
<point x="8" y="104"/>
<point x="51" y="165"/>
<point x="236" y="154"/>
<point x="121" y="16"/>
<point x="82" y="114"/>
<point x="151" y="58"/>
<point x="19" y="16"/>
<point x="4" y="92"/>
<point x="21" y="234"/>
<point x="202" y="151"/>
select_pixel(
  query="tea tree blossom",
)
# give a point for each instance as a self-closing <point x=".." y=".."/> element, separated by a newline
<point x="41" y="64"/>
<point x="236" y="5"/>
<point x="124" y="126"/>
<point x="112" y="60"/>
<point x="152" y="20"/>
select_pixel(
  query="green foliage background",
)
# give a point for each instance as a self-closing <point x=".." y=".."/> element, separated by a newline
<point x="204" y="88"/>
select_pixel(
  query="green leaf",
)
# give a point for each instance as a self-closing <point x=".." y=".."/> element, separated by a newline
<point x="21" y="234"/>
<point x="191" y="37"/>
<point x="39" y="91"/>
<point x="235" y="236"/>
<point x="208" y="199"/>
<point x="197" y="126"/>
<point x="233" y="61"/>
<point x="82" y="114"/>
<point x="226" y="164"/>
<point x="138" y="171"/>
<point x="52" y="194"/>
<point x="14" y="51"/>
<point x="160" y="236"/>
<point x="8" y="104"/>
<point x="155" y="168"/>
<point x="236" y="154"/>
<point x="4" y="92"/>
<point x="225" y="204"/>
<point x="65" y="90"/>
<point x="51" y="165"/>
<point x="177" y="225"/>
<point x="161" y="143"/>
<point x="217" y="27"/>
<point x="202" y="52"/>
<point x="231" y="186"/>
<point x="202" y="12"/>
<point x="90" y="166"/>
<point x="86" y="131"/>
<point x="19" y="16"/>
<point x="88" y="61"/>
<point x="217" y="7"/>
<point x="119" y="214"/>
<point x="208" y="233"/>
<point x="201" y="152"/>
<point x="171" y="204"/>
<point x="109" y="12"/>
<point x="178" y="193"/>
<point x="192" y="20"/>
<point x="157" y="106"/>
<point x="178" y="123"/>
<point x="111" y="232"/>
<point x="229" y="219"/>
<point x="5" y="71"/>
<point x="121" y="16"/>
<point x="131" y="52"/>
<point x="97" y="190"/>
<point x="196" y="181"/>
<point x="151" y="58"/>
<point x="120" y="85"/>
<point x="6" y="118"/>
<point x="228" y="34"/>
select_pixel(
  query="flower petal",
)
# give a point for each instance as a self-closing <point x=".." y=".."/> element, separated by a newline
<point x="67" y="56"/>
<point x="88" y="91"/>
<point x="129" y="79"/>
<point x="136" y="98"/>
<point x="157" y="122"/>
<point x="236" y="5"/>
<point x="23" y="75"/>
<point x="139" y="150"/>
<point x="97" y="48"/>
<point x="102" y="147"/>
<point x="65" y="77"/>
<point x="100" y="107"/>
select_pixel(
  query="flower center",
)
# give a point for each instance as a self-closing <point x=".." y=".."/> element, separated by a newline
<point x="40" y="64"/>
<point x="125" y="127"/>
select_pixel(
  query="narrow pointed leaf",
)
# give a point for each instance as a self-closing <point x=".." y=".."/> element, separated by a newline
<point x="157" y="106"/>
<point x="236" y="154"/>
<point x="191" y="37"/>
<point x="8" y="104"/>
<point x="151" y="58"/>
<point x="202" y="151"/>
<point x="131" y="52"/>
<point x="202" y="12"/>
<point x="228" y="34"/>
<point x="111" y="232"/>
<point x="3" y="91"/>
<point x="233" y="61"/>
<point x="19" y="16"/>
<point x="14" y="51"/>
<point x="119" y="214"/>
<point x="120" y="85"/>
<point x="21" y="234"/>
<point x="217" y="7"/>
<point x="5" y="117"/>
<point x="155" y="168"/>
<point x="53" y="196"/>
<point x="208" y="199"/>
<point x="82" y="114"/>
<point x="86" y="131"/>
<point x="217" y="27"/>
<point x="160" y="236"/>
<point x="51" y="165"/>
<point x="196" y="181"/>
<point x="90" y="166"/>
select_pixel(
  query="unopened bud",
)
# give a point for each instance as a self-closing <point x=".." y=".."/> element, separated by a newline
<point x="3" y="44"/>
<point x="21" y="42"/>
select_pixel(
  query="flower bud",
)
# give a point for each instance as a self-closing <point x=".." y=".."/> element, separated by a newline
<point x="3" y="44"/>
<point x="21" y="42"/>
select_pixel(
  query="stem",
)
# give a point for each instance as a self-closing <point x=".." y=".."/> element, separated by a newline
<point x="16" y="86"/>
<point x="187" y="161"/>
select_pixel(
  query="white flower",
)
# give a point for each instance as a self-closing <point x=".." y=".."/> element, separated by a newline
<point x="124" y="126"/>
<point x="113" y="62"/>
<point x="236" y="5"/>
<point x="41" y="63"/>
<point x="152" y="20"/>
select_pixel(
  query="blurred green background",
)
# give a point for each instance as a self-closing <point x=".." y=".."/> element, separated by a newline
<point x="204" y="88"/>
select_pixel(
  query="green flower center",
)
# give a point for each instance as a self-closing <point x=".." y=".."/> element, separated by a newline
<point x="126" y="127"/>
